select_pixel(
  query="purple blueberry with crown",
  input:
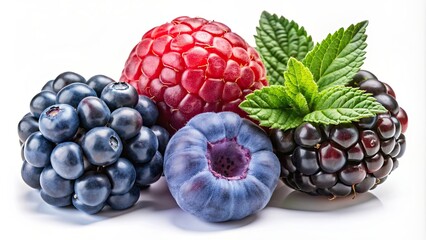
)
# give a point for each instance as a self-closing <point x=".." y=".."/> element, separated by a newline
<point x="221" y="167"/>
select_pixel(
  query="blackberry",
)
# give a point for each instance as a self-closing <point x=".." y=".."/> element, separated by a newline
<point x="344" y="159"/>
<point x="80" y="139"/>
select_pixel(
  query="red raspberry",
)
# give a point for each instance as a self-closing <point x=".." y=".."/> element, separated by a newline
<point x="192" y="65"/>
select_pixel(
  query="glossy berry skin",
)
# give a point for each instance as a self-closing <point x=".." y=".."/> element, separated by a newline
<point x="48" y="86"/>
<point x="67" y="160"/>
<point x="126" y="122"/>
<point x="98" y="83"/>
<point x="41" y="101"/>
<point x="66" y="78"/>
<point x="345" y="159"/>
<point x="92" y="188"/>
<point x="102" y="146"/>
<point x="119" y="94"/>
<point x="87" y="208"/>
<point x="125" y="200"/>
<point x="149" y="172"/>
<point x="37" y="150"/>
<point x="31" y="175"/>
<point x="59" y="122"/>
<point x="221" y="167"/>
<point x="122" y="175"/>
<point x="72" y="94"/>
<point x="192" y="65"/>
<point x="93" y="112"/>
<point x="148" y="110"/>
<point x="163" y="137"/>
<point x="141" y="148"/>
<point x="54" y="185"/>
<point x="27" y="126"/>
<point x="57" y="202"/>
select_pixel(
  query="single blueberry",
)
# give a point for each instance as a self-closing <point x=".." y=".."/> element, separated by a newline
<point x="72" y="94"/>
<point x="37" y="150"/>
<point x="142" y="148"/>
<point x="119" y="94"/>
<point x="54" y="185"/>
<point x="57" y="202"/>
<point x="125" y="200"/>
<point x="67" y="160"/>
<point x="92" y="188"/>
<point x="41" y="101"/>
<point x="27" y="126"/>
<point x="93" y="112"/>
<point x="48" y="86"/>
<point x="98" y="83"/>
<point x="126" y="122"/>
<point x="66" y="78"/>
<point x="150" y="172"/>
<point x="122" y="176"/>
<point x="148" y="110"/>
<point x="163" y="137"/>
<point x="219" y="173"/>
<point x="102" y="146"/>
<point x="31" y="175"/>
<point x="59" y="122"/>
<point x="86" y="208"/>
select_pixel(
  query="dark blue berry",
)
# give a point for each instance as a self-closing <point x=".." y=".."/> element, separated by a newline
<point x="59" y="123"/>
<point x="148" y="110"/>
<point x="93" y="112"/>
<point x="102" y="146"/>
<point x="66" y="78"/>
<point x="142" y="148"/>
<point x="54" y="185"/>
<point x="31" y="175"/>
<point x="86" y="208"/>
<point x="119" y="94"/>
<point x="92" y="188"/>
<point x="67" y="160"/>
<point x="41" y="101"/>
<point x="74" y="93"/>
<point x="150" y="172"/>
<point x="122" y="176"/>
<point x="57" y="202"/>
<point x="37" y="150"/>
<point x="27" y="126"/>
<point x="126" y="122"/>
<point x="98" y="83"/>
<point x="125" y="200"/>
<point x="48" y="86"/>
<point x="163" y="137"/>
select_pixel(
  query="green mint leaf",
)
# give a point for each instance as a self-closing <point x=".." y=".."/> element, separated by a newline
<point x="277" y="40"/>
<point x="338" y="58"/>
<point x="340" y="104"/>
<point x="300" y="86"/>
<point x="268" y="105"/>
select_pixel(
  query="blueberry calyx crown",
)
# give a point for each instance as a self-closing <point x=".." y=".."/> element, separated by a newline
<point x="227" y="159"/>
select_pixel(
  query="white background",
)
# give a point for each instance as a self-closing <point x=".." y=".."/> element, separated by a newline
<point x="40" y="39"/>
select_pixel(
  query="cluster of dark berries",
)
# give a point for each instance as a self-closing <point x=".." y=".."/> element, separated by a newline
<point x="91" y="143"/>
<point x="344" y="159"/>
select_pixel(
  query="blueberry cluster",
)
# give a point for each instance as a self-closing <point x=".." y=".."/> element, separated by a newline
<point x="91" y="143"/>
<point x="337" y="160"/>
